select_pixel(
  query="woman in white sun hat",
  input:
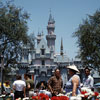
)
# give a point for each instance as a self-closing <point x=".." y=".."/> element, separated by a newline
<point x="73" y="85"/>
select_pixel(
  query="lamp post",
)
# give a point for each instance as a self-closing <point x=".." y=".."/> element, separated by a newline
<point x="2" y="66"/>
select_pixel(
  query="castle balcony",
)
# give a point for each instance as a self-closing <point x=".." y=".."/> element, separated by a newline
<point x="53" y="36"/>
<point x="51" y="26"/>
<point x="23" y="65"/>
<point x="42" y="56"/>
<point x="32" y="67"/>
<point x="31" y="71"/>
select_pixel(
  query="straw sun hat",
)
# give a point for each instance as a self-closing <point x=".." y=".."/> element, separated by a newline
<point x="73" y="67"/>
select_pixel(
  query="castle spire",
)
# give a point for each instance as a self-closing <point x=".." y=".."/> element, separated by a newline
<point x="61" y="48"/>
<point x="51" y="19"/>
<point x="51" y="37"/>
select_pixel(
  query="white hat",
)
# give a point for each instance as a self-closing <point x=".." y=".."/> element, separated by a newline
<point x="73" y="67"/>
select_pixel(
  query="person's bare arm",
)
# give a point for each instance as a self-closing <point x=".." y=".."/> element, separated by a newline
<point x="62" y="87"/>
<point x="50" y="88"/>
<point x="75" y="82"/>
<point x="28" y="85"/>
<point x="14" y="87"/>
<point x="50" y="85"/>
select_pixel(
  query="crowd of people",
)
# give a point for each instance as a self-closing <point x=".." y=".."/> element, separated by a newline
<point x="55" y="83"/>
<point x="74" y="84"/>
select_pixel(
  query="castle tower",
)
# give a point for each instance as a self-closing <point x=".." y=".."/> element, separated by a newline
<point x="61" y="48"/>
<point x="39" y="37"/>
<point x="51" y="36"/>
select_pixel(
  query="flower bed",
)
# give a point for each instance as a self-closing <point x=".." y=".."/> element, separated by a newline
<point x="86" y="94"/>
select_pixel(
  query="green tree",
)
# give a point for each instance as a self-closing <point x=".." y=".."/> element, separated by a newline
<point x="88" y="35"/>
<point x="13" y="32"/>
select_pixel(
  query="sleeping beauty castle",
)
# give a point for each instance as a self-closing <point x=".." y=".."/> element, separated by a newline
<point x="41" y="60"/>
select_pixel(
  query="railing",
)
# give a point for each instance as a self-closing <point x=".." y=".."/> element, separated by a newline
<point x="42" y="56"/>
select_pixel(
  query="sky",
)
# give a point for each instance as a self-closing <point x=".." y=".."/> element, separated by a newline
<point x="68" y="14"/>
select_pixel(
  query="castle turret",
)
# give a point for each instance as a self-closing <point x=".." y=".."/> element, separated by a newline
<point x="39" y="37"/>
<point x="51" y="36"/>
<point x="61" y="48"/>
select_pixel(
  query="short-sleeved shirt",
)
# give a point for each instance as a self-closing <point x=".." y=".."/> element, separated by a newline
<point x="88" y="81"/>
<point x="19" y="85"/>
<point x="7" y="88"/>
<point x="31" y="82"/>
<point x="55" y="83"/>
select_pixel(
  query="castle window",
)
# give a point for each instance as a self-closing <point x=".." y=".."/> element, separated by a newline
<point x="43" y="62"/>
<point x="43" y="73"/>
<point x="49" y="72"/>
<point x="36" y="71"/>
<point x="42" y="51"/>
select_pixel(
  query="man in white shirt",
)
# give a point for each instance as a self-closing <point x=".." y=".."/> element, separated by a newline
<point x="88" y="80"/>
<point x="19" y="87"/>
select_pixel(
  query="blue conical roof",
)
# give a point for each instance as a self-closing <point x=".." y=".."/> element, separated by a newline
<point x="51" y="19"/>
